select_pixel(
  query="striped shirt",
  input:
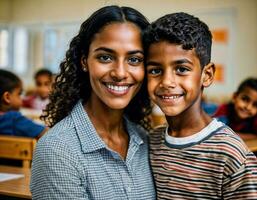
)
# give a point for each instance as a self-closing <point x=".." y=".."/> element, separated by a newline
<point x="212" y="164"/>
<point x="72" y="162"/>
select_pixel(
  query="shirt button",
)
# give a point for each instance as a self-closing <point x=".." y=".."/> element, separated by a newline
<point x="129" y="189"/>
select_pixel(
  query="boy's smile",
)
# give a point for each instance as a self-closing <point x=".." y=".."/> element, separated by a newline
<point x="175" y="78"/>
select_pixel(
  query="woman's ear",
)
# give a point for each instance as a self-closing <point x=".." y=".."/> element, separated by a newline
<point x="83" y="62"/>
<point x="208" y="74"/>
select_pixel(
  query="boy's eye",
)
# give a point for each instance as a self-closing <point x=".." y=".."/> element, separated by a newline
<point x="135" y="60"/>
<point x="104" y="58"/>
<point x="182" y="70"/>
<point x="245" y="99"/>
<point x="154" y="71"/>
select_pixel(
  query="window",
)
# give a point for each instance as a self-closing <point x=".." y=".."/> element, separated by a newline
<point x="56" y="43"/>
<point x="20" y="50"/>
<point x="4" y="47"/>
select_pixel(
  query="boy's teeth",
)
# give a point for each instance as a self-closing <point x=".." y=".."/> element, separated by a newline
<point x="117" y="88"/>
<point x="170" y="97"/>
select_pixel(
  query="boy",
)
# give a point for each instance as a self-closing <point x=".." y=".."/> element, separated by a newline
<point x="38" y="101"/>
<point x="195" y="157"/>
<point x="241" y="113"/>
<point x="12" y="122"/>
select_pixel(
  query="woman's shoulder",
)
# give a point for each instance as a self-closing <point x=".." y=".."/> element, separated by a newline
<point x="62" y="132"/>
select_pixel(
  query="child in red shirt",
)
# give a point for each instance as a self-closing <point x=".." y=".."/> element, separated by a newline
<point x="241" y="113"/>
<point x="39" y="100"/>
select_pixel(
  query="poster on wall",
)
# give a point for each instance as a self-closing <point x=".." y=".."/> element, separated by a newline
<point x="222" y="23"/>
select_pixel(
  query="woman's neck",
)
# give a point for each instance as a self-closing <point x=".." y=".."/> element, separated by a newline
<point x="109" y="126"/>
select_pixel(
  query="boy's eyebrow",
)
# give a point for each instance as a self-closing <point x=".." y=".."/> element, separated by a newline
<point x="153" y="63"/>
<point x="112" y="51"/>
<point x="176" y="62"/>
<point x="182" y="61"/>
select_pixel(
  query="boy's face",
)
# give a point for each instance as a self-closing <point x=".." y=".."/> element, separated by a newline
<point x="43" y="86"/>
<point x="175" y="78"/>
<point x="245" y="103"/>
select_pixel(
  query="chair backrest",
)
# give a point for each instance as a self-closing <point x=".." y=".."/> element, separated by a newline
<point x="18" y="148"/>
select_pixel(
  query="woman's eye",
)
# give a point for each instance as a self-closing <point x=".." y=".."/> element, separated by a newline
<point x="135" y="60"/>
<point x="154" y="71"/>
<point x="104" y="58"/>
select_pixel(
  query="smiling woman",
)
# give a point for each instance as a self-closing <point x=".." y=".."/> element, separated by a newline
<point x="96" y="146"/>
<point x="115" y="66"/>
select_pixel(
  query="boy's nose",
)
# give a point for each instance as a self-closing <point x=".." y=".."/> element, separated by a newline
<point x="169" y="80"/>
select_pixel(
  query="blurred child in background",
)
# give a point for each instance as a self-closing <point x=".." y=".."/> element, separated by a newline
<point x="39" y="100"/>
<point x="12" y="122"/>
<point x="241" y="113"/>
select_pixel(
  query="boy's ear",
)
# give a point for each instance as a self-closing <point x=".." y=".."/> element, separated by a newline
<point x="208" y="74"/>
<point x="6" y="97"/>
<point x="83" y="62"/>
<point x="234" y="96"/>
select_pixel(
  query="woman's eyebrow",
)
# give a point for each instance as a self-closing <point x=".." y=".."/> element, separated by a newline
<point x="112" y="51"/>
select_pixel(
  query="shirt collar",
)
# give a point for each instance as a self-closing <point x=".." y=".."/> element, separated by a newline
<point x="89" y="139"/>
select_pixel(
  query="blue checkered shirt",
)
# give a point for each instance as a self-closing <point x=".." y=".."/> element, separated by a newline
<point x="72" y="162"/>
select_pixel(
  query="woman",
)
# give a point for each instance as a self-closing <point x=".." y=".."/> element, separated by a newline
<point x="95" y="148"/>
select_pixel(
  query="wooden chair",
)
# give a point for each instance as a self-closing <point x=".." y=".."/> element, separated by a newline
<point x="17" y="148"/>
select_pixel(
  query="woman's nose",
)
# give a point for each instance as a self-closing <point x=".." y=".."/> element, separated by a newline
<point x="119" y="71"/>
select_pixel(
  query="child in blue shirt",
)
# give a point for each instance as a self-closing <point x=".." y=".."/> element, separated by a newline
<point x="12" y="122"/>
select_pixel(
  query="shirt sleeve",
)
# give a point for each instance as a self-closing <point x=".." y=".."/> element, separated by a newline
<point x="24" y="126"/>
<point x="56" y="173"/>
<point x="242" y="182"/>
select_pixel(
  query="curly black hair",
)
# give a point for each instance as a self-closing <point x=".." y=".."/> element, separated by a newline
<point x="182" y="29"/>
<point x="73" y="84"/>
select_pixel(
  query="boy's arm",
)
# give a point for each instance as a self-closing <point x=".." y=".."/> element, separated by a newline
<point x="242" y="182"/>
<point x="24" y="126"/>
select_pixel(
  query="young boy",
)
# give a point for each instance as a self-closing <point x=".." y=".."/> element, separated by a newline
<point x="241" y="113"/>
<point x="12" y="122"/>
<point x="38" y="101"/>
<point x="195" y="157"/>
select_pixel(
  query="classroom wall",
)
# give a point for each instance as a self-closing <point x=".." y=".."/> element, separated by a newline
<point x="243" y="57"/>
<point x="5" y="10"/>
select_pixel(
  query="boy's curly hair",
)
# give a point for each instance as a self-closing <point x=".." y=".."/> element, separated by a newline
<point x="73" y="84"/>
<point x="182" y="29"/>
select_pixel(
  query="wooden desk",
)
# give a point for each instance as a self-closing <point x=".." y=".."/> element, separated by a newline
<point x="252" y="144"/>
<point x="16" y="187"/>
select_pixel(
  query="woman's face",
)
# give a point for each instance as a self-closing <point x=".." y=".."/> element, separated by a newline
<point x="115" y="65"/>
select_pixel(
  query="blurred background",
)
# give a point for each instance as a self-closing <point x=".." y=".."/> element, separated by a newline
<point x="36" y="34"/>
